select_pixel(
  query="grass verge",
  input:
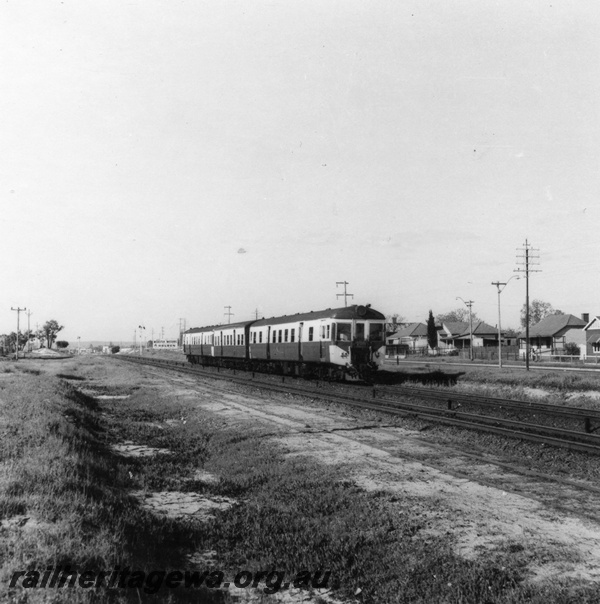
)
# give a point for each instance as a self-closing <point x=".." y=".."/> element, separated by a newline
<point x="291" y="515"/>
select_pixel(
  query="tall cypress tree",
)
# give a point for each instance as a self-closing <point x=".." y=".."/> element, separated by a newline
<point x="432" y="336"/>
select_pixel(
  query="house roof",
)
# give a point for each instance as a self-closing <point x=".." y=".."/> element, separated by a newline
<point x="410" y="330"/>
<point x="455" y="327"/>
<point x="596" y="319"/>
<point x="553" y="324"/>
<point x="481" y="329"/>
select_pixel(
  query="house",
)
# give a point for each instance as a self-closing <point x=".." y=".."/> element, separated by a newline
<point x="458" y="334"/>
<point x="591" y="348"/>
<point x="412" y="337"/>
<point x="550" y="335"/>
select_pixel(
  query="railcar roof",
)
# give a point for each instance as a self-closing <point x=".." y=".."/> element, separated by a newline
<point x="357" y="312"/>
<point x="348" y="313"/>
<point x="211" y="328"/>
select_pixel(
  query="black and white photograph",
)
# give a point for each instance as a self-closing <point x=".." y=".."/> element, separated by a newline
<point x="299" y="302"/>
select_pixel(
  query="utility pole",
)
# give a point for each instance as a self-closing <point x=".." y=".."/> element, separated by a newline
<point x="141" y="327"/>
<point x="256" y="313"/>
<point x="181" y="330"/>
<point x="527" y="259"/>
<point x="469" y="304"/>
<point x="345" y="294"/>
<point x="228" y="314"/>
<point x="19" y="311"/>
<point x="28" y="313"/>
<point x="499" y="284"/>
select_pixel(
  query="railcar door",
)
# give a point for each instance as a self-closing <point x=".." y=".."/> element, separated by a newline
<point x="269" y="343"/>
<point x="300" y="330"/>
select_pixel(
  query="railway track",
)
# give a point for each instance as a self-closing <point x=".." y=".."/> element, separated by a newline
<point x="445" y="409"/>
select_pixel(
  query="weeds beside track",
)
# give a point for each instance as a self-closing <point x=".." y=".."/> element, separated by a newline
<point x="584" y="441"/>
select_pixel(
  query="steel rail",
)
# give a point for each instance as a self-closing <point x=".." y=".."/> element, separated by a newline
<point x="462" y="397"/>
<point x="584" y="442"/>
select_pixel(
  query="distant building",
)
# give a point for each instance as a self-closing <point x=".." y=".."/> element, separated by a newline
<point x="591" y="348"/>
<point x="165" y="344"/>
<point x="411" y="337"/>
<point x="550" y="335"/>
<point x="458" y="334"/>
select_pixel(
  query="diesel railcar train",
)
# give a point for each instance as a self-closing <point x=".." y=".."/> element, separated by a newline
<point x="341" y="344"/>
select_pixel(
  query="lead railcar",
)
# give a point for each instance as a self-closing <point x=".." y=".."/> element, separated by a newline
<point x="342" y="343"/>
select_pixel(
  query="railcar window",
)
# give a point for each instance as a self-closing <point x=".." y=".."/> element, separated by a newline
<point x="344" y="331"/>
<point x="292" y="335"/>
<point x="310" y="333"/>
<point x="376" y="331"/>
<point x="274" y="336"/>
<point x="285" y="335"/>
<point x="329" y="332"/>
<point x="280" y="334"/>
<point x="360" y="332"/>
<point x="260" y="337"/>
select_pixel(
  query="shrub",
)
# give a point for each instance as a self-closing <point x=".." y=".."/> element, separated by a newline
<point x="572" y="349"/>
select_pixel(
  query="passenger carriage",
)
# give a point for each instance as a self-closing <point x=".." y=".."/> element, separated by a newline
<point x="342" y="343"/>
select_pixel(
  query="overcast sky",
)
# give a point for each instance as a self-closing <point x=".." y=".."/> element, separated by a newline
<point x="162" y="160"/>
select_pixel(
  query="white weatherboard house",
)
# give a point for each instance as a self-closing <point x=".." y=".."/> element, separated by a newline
<point x="552" y="333"/>
<point x="591" y="348"/>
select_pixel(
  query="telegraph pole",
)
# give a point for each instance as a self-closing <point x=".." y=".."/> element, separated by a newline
<point x="142" y="332"/>
<point x="19" y="311"/>
<point x="498" y="284"/>
<point x="469" y="304"/>
<point x="181" y="330"/>
<point x="228" y="314"/>
<point x="345" y="294"/>
<point x="28" y="313"/>
<point x="527" y="259"/>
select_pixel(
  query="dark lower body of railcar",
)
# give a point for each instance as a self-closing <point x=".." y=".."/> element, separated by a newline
<point x="320" y="360"/>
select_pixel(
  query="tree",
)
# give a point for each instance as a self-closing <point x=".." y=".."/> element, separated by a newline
<point x="538" y="310"/>
<point x="50" y="330"/>
<point x="62" y="344"/>
<point x="432" y="335"/>
<point x="115" y="349"/>
<point x="459" y="315"/>
<point x="10" y="339"/>
<point x="393" y="322"/>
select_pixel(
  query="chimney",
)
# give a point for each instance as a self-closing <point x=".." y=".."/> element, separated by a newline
<point x="585" y="316"/>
